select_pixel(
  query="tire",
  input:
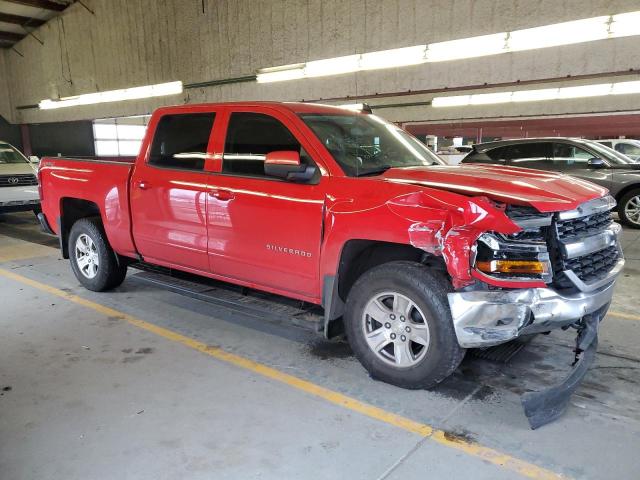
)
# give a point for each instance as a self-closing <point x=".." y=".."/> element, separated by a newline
<point x="414" y="368"/>
<point x="100" y="270"/>
<point x="629" y="208"/>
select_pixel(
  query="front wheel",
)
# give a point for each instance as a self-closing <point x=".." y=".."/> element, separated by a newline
<point x="93" y="262"/>
<point x="629" y="209"/>
<point x="399" y="325"/>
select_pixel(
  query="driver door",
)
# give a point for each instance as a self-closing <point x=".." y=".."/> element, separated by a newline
<point x="262" y="230"/>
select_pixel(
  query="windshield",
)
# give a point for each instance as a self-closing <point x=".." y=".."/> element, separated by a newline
<point x="364" y="144"/>
<point x="609" y="154"/>
<point x="8" y="154"/>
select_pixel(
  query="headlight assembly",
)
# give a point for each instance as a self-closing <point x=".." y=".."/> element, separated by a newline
<point x="503" y="258"/>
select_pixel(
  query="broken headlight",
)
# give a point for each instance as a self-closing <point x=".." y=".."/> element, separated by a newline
<point x="513" y="258"/>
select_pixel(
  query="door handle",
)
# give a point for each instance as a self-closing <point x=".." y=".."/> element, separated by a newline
<point x="222" y="194"/>
<point x="143" y="185"/>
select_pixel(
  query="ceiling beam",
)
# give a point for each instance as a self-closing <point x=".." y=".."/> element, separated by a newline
<point x="20" y="20"/>
<point x="46" y="4"/>
<point x="11" y="37"/>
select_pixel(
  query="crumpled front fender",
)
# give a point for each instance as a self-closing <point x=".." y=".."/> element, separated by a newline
<point x="448" y="225"/>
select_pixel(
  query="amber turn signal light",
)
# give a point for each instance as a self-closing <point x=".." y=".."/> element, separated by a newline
<point x="512" y="266"/>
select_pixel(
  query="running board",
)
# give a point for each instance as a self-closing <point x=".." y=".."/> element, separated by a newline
<point x="250" y="302"/>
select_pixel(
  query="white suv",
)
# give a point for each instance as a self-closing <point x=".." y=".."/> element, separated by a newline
<point x="18" y="182"/>
<point x="626" y="146"/>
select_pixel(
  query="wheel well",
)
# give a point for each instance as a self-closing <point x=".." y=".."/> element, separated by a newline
<point x="72" y="210"/>
<point x="357" y="257"/>
<point x="626" y="190"/>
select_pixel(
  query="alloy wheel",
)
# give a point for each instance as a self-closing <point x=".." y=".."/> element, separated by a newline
<point x="87" y="256"/>
<point x="395" y="329"/>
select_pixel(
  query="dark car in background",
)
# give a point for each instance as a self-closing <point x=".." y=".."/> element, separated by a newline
<point x="584" y="159"/>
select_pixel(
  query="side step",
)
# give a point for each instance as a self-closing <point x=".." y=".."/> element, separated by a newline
<point x="250" y="302"/>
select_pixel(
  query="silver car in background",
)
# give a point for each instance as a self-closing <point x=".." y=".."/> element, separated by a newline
<point x="585" y="159"/>
<point x="626" y="146"/>
<point x="18" y="181"/>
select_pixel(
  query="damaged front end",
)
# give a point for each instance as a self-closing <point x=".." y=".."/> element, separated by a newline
<point x="558" y="272"/>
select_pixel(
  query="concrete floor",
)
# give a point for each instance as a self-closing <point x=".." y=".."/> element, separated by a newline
<point x="86" y="394"/>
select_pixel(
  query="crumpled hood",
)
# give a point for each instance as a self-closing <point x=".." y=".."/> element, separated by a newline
<point x="546" y="191"/>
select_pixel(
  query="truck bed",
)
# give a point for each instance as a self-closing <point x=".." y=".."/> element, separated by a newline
<point x="103" y="182"/>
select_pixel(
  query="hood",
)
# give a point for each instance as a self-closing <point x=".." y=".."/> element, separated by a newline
<point x="16" y="168"/>
<point x="545" y="191"/>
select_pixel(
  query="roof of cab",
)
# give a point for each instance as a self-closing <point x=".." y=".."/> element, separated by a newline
<point x="295" y="107"/>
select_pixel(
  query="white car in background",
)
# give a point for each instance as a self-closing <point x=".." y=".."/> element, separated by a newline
<point x="18" y="181"/>
<point x="626" y="146"/>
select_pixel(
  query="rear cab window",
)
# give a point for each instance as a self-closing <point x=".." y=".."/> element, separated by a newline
<point x="180" y="141"/>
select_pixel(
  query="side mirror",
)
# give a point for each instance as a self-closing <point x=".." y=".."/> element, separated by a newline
<point x="286" y="165"/>
<point x="596" y="162"/>
<point x="34" y="159"/>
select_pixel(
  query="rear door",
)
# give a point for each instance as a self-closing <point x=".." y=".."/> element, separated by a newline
<point x="265" y="231"/>
<point x="169" y="192"/>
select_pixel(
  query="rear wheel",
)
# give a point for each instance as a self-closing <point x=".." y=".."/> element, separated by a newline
<point x="93" y="262"/>
<point x="629" y="208"/>
<point x="399" y="325"/>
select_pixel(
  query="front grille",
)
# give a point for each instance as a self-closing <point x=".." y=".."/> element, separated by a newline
<point x="583" y="226"/>
<point x="18" y="180"/>
<point x="594" y="266"/>
<point x="588" y="268"/>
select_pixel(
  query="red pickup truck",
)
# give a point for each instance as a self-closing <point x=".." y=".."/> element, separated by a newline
<point x="413" y="260"/>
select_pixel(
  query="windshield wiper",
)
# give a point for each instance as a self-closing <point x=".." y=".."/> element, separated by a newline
<point x="373" y="171"/>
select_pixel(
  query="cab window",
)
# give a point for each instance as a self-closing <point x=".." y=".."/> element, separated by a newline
<point x="181" y="141"/>
<point x="250" y="136"/>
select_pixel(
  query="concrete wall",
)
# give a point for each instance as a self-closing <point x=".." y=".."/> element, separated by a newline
<point x="138" y="42"/>
<point x="6" y="110"/>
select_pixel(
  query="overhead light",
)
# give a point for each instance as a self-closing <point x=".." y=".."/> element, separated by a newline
<point x="557" y="34"/>
<point x="578" y="31"/>
<point x="535" y="95"/>
<point x="279" y="74"/>
<point x="454" y="101"/>
<point x="625" y="24"/>
<point x="467" y="48"/>
<point x="134" y="93"/>
<point x="580" y="91"/>
<point x="486" y="98"/>
<point x="397" y="57"/>
<point x="623" y="88"/>
<point x="332" y="66"/>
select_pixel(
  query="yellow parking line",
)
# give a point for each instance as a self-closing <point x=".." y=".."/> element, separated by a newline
<point x="474" y="449"/>
<point x="628" y="316"/>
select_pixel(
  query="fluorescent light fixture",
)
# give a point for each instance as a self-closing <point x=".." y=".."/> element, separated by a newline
<point x="624" y="88"/>
<point x="332" y="66"/>
<point x="397" y="57"/>
<point x="454" y="101"/>
<point x="565" y="33"/>
<point x="535" y="95"/>
<point x="280" y="74"/>
<point x="135" y="93"/>
<point x="487" y="98"/>
<point x="358" y="107"/>
<point x="580" y="91"/>
<point x="467" y="48"/>
<point x="625" y="24"/>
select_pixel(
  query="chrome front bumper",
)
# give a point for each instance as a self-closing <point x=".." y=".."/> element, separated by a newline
<point x="491" y="317"/>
